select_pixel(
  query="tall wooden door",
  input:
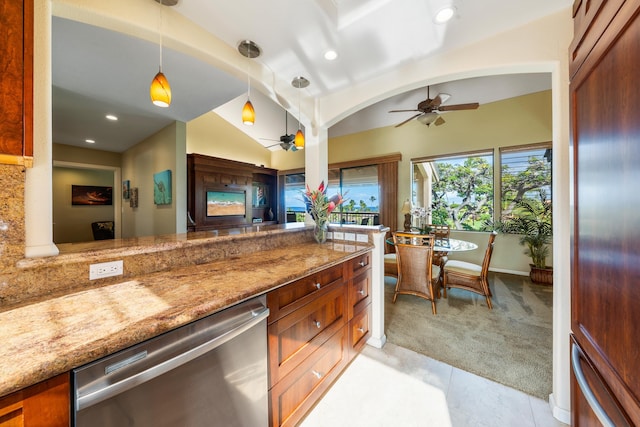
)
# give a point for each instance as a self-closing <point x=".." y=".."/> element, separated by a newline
<point x="605" y="109"/>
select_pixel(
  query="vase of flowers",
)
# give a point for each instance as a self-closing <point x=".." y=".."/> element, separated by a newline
<point x="421" y="216"/>
<point x="319" y="206"/>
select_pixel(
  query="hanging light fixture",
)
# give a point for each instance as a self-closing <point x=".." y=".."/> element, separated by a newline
<point x="250" y="50"/>
<point x="160" y="90"/>
<point x="299" y="83"/>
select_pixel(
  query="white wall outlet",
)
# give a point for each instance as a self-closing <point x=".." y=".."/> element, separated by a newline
<point x="105" y="269"/>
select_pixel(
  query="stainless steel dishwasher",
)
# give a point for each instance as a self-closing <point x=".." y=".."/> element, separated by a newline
<point x="212" y="372"/>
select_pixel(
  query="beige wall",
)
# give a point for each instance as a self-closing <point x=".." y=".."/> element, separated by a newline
<point x="73" y="223"/>
<point x="164" y="150"/>
<point x="211" y="135"/>
<point x="516" y="121"/>
<point x="69" y="153"/>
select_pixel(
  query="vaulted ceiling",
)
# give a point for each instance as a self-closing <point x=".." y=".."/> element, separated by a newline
<point x="98" y="71"/>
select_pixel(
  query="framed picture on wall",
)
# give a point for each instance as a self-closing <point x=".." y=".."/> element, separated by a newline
<point x="260" y="195"/>
<point x="125" y="189"/>
<point x="133" y="198"/>
<point x="162" y="188"/>
<point x="91" y="195"/>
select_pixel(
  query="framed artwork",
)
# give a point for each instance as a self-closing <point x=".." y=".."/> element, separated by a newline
<point x="260" y="195"/>
<point x="125" y="189"/>
<point x="226" y="203"/>
<point x="91" y="195"/>
<point x="162" y="188"/>
<point x="133" y="197"/>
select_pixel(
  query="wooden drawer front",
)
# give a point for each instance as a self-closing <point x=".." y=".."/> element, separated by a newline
<point x="296" y="336"/>
<point x="359" y="330"/>
<point x="292" y="397"/>
<point x="359" y="293"/>
<point x="360" y="264"/>
<point x="286" y="299"/>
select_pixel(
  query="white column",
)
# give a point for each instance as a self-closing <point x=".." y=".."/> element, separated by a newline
<point x="38" y="198"/>
<point x="378" y="338"/>
<point x="315" y="159"/>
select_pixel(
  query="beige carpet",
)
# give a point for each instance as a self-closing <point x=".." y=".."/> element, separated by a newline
<point x="511" y="344"/>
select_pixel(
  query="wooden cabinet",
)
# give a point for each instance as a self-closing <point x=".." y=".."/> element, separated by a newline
<point x="46" y="404"/>
<point x="605" y="136"/>
<point x="16" y="83"/>
<point x="235" y="184"/>
<point x="316" y="325"/>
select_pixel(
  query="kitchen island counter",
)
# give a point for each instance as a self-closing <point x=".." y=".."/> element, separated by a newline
<point x="47" y="337"/>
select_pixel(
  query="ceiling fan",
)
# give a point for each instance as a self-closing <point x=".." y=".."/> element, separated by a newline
<point x="286" y="140"/>
<point x="429" y="109"/>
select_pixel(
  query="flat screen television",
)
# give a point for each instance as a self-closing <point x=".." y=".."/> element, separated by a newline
<point x="226" y="203"/>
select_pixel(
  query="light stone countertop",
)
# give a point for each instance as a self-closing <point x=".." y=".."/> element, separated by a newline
<point x="49" y="337"/>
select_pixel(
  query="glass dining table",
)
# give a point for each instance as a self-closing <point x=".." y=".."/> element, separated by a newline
<point x="448" y="245"/>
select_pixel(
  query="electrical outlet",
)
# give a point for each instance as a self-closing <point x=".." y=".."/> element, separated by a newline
<point x="105" y="269"/>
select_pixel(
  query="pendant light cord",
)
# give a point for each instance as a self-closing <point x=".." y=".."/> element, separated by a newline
<point x="160" y="32"/>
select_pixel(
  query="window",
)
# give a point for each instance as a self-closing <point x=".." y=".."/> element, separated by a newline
<point x="525" y="176"/>
<point x="359" y="186"/>
<point x="458" y="189"/>
<point x="294" y="205"/>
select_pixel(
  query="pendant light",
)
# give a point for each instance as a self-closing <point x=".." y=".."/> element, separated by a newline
<point x="160" y="91"/>
<point x="299" y="83"/>
<point x="250" y="50"/>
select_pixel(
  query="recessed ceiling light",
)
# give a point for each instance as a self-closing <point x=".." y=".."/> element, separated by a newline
<point x="90" y="141"/>
<point x="444" y="14"/>
<point x="330" y="55"/>
<point x="111" y="117"/>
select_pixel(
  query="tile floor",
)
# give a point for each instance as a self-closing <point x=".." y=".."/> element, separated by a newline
<point x="397" y="387"/>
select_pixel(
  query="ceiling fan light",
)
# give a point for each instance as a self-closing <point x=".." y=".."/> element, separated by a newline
<point x="299" y="140"/>
<point x="160" y="91"/>
<point x="248" y="114"/>
<point x="444" y="14"/>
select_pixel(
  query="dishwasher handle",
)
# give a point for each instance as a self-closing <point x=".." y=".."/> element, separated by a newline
<point x="92" y="398"/>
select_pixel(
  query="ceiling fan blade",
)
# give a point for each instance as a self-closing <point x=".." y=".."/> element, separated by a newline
<point x="457" y="107"/>
<point x="441" y="98"/>
<point x="408" y="120"/>
<point x="402" y="111"/>
<point x="439" y="121"/>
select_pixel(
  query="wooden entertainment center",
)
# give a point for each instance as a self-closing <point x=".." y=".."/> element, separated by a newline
<point x="225" y="193"/>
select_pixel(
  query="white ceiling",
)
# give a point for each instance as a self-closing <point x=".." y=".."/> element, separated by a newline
<point x="96" y="71"/>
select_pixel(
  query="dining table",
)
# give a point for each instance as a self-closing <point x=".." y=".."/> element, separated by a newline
<point x="441" y="248"/>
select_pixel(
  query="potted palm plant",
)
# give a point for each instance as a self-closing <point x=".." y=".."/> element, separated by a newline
<point x="532" y="219"/>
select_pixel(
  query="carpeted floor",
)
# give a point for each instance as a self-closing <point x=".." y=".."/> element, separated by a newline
<point x="511" y="344"/>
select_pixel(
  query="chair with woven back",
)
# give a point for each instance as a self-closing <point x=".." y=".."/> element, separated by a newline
<point x="469" y="276"/>
<point x="416" y="273"/>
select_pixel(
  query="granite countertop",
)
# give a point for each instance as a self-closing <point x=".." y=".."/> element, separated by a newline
<point x="49" y="337"/>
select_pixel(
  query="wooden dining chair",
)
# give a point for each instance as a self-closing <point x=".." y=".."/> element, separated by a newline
<point x="469" y="276"/>
<point x="441" y="233"/>
<point x="416" y="273"/>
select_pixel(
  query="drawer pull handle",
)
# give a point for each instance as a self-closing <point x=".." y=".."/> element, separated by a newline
<point x="361" y="330"/>
<point x="362" y="263"/>
<point x="361" y="291"/>
<point x="318" y="285"/>
<point x="318" y="324"/>
<point x="316" y="374"/>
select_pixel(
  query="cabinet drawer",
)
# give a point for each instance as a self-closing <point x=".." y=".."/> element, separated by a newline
<point x="359" y="264"/>
<point x="288" y="298"/>
<point x="294" y="396"/>
<point x="359" y="330"/>
<point x="294" y="337"/>
<point x="359" y="292"/>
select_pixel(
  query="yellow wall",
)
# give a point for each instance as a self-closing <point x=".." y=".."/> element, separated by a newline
<point x="162" y="151"/>
<point x="211" y="135"/>
<point x="69" y="153"/>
